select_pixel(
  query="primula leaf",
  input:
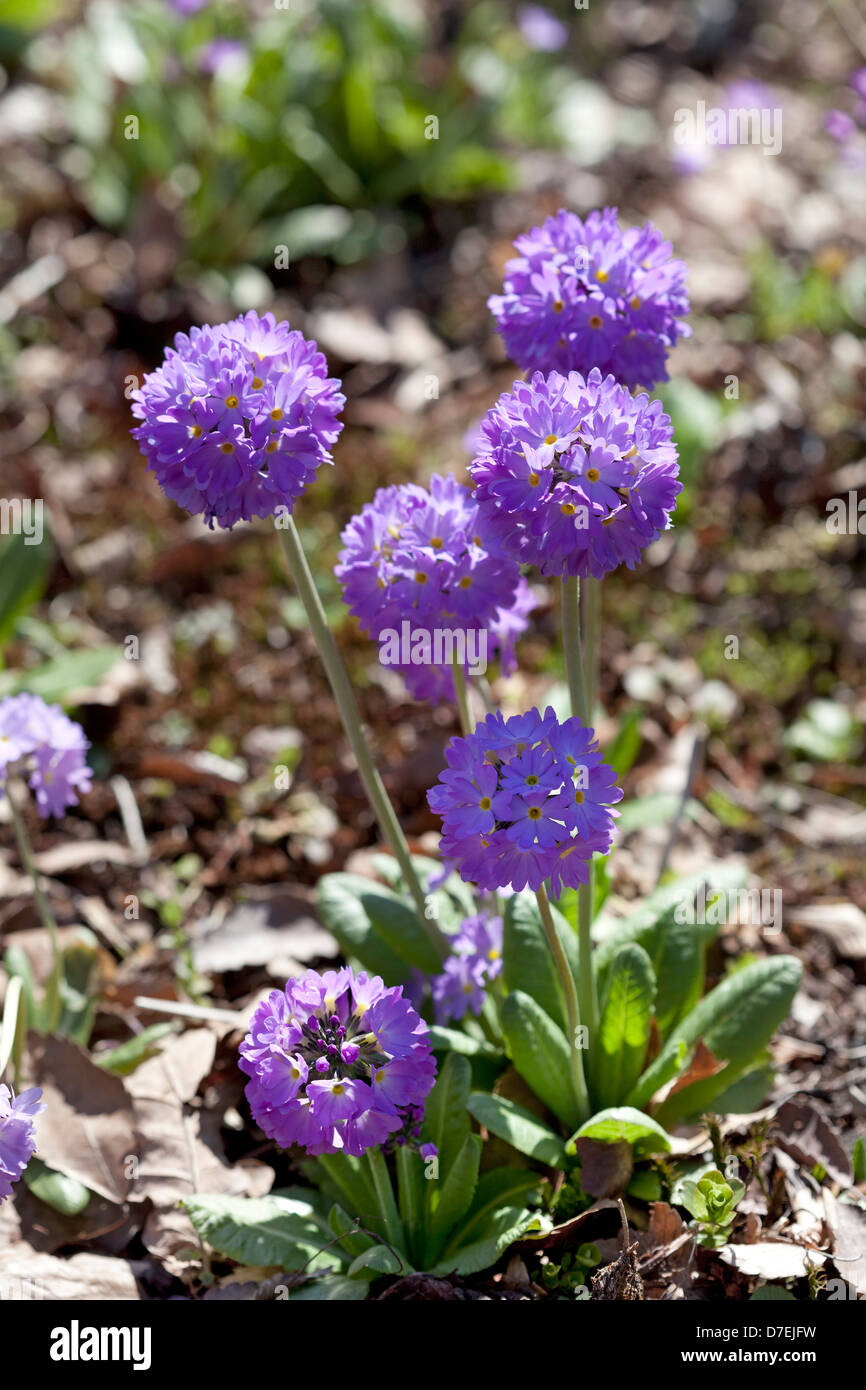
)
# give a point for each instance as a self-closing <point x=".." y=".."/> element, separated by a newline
<point x="380" y="1259"/>
<point x="64" y="1194"/>
<point x="539" y="1051"/>
<point x="264" y="1231"/>
<point x="398" y="926"/>
<point x="341" y="908"/>
<point x="624" y="1026"/>
<point x="518" y="1127"/>
<point x="450" y="1197"/>
<point x="735" y="1020"/>
<point x="449" y="1040"/>
<point x="353" y="1241"/>
<point x="527" y="961"/>
<point x="623" y="1125"/>
<point x="497" y="1217"/>
<point x="446" y="1117"/>
<point x="346" y="1179"/>
<point x="649" y="922"/>
<point x="124" y="1059"/>
<point x="331" y="1288"/>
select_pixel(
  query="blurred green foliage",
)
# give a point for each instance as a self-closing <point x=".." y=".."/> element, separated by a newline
<point x="317" y="132"/>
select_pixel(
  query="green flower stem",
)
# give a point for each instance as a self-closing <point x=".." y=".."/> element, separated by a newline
<point x="461" y="694"/>
<point x="52" y="988"/>
<point x="388" y="1209"/>
<point x="576" y="670"/>
<point x="590" y="617"/>
<point x="572" y="1009"/>
<point x="369" y="774"/>
<point x="571" y="645"/>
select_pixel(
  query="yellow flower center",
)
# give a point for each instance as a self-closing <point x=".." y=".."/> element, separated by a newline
<point x="534" y="480"/>
<point x="196" y="431"/>
<point x="568" y="509"/>
<point x="436" y="542"/>
<point x="420" y="577"/>
<point x="534" y="813"/>
<point x="558" y="306"/>
<point x="635" y="303"/>
<point x="601" y="276"/>
<point x="551" y="439"/>
<point x="578" y="796"/>
<point x="595" y="321"/>
<point x="592" y="474"/>
<point x="271" y="447"/>
<point x="485" y="803"/>
<point x="227" y="448"/>
<point x="465" y="582"/>
<point x="232" y="402"/>
<point x="276" y="413"/>
<point x="257" y="383"/>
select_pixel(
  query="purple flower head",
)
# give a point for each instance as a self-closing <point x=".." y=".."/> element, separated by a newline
<point x="839" y="125"/>
<point x="541" y="29"/>
<point x="575" y="476"/>
<point x="586" y="294"/>
<point x="418" y="576"/>
<point x="857" y="82"/>
<point x="238" y="418"/>
<point x="17" y="1134"/>
<point x="525" y="800"/>
<point x="54" y="747"/>
<point x="335" y="1061"/>
<point x="476" y="960"/>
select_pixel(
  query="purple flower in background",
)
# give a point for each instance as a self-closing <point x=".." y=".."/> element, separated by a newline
<point x="586" y="294"/>
<point x="17" y="1134"/>
<point x="238" y="419"/>
<point x="525" y="800"/>
<point x="541" y="29"/>
<point x="575" y="476"/>
<point x="839" y="125"/>
<point x="857" y="82"/>
<point x="221" y="55"/>
<point x="476" y="960"/>
<point x="54" y="747"/>
<point x="336" y="1062"/>
<point x="186" y="7"/>
<point x="415" y="565"/>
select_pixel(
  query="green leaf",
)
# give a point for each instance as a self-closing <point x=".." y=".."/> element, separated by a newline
<point x="539" y="1051"/>
<point x="127" y="1056"/>
<point x="449" y="1040"/>
<point x="64" y="1194"/>
<point x="736" y="1021"/>
<point x="645" y="1185"/>
<point x="378" y="1258"/>
<point x="678" y="962"/>
<point x="621" y="753"/>
<point x="23" y="573"/>
<point x="518" y="1127"/>
<point x="497" y="1217"/>
<point x="651" y="919"/>
<point x="77" y="987"/>
<point x="331" y="1288"/>
<point x="398" y="926"/>
<point x="446" y="1116"/>
<point x="57" y="679"/>
<point x="346" y="1179"/>
<point x="858" y="1160"/>
<point x="772" y="1293"/>
<point x="341" y="908"/>
<point x="353" y="1241"/>
<point x="527" y="962"/>
<point x="623" y="1125"/>
<point x="263" y="1230"/>
<point x="624" y="1026"/>
<point x="449" y="1199"/>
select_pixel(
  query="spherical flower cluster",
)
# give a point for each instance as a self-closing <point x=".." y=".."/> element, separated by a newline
<point x="335" y="1061"/>
<point x="586" y="294"/>
<point x="476" y="959"/>
<point x="575" y="476"/>
<point x="53" y="745"/>
<point x="17" y="1136"/>
<point x="238" y="418"/>
<point x="525" y="800"/>
<point x="418" y="576"/>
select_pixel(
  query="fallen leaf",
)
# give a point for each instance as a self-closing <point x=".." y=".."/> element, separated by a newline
<point x="84" y="1277"/>
<point x="270" y="923"/>
<point x="605" y="1169"/>
<point x="806" y="1136"/>
<point x="87" y="1130"/>
<point x="848" y="1226"/>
